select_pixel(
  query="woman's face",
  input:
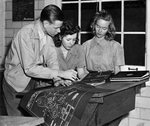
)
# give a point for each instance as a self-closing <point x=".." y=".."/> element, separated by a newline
<point x="101" y="28"/>
<point x="68" y="41"/>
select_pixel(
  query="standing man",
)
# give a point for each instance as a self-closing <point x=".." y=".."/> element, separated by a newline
<point x="31" y="47"/>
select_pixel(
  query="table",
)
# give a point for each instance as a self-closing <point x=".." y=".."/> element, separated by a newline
<point x="110" y="105"/>
<point x="114" y="100"/>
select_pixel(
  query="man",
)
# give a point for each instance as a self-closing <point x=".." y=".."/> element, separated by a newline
<point x="31" y="47"/>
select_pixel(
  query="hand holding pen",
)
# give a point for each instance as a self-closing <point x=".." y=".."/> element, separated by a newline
<point x="77" y="78"/>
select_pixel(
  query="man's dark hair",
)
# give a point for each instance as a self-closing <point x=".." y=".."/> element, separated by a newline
<point x="51" y="13"/>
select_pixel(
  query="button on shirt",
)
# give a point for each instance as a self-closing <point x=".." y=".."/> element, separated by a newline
<point x="30" y="47"/>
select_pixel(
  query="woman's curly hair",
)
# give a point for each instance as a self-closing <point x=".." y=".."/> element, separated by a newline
<point x="68" y="28"/>
<point x="107" y="17"/>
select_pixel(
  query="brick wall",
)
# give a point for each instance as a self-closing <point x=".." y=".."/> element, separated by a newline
<point x="12" y="27"/>
<point x="2" y="26"/>
<point x="140" y="116"/>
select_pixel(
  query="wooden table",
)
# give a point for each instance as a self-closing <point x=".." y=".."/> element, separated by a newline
<point x="115" y="100"/>
<point x="20" y="121"/>
<point x="110" y="105"/>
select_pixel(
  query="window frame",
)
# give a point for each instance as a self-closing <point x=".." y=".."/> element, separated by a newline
<point x="122" y="32"/>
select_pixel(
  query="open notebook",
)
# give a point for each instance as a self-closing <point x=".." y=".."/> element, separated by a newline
<point x="130" y="76"/>
<point x="95" y="78"/>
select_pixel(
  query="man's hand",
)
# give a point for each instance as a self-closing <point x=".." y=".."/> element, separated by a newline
<point x="68" y="74"/>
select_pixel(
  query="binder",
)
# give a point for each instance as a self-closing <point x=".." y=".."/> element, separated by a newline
<point x="130" y="76"/>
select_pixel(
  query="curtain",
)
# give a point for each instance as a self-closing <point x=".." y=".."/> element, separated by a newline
<point x="56" y="2"/>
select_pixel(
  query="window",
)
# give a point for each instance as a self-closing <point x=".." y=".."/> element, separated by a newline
<point x="129" y="18"/>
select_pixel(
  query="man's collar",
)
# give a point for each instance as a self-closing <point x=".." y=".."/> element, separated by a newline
<point x="37" y="30"/>
<point x="38" y="33"/>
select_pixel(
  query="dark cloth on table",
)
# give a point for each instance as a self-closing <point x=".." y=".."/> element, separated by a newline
<point x="60" y="106"/>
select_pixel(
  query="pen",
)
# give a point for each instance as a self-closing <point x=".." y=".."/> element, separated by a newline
<point x="77" y="78"/>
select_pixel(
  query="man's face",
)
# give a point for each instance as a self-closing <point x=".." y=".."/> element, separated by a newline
<point x="52" y="29"/>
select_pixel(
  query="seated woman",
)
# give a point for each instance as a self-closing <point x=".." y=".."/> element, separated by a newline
<point x="103" y="53"/>
<point x="70" y="54"/>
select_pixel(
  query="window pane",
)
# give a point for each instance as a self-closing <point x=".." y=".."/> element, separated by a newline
<point x="70" y="12"/>
<point x="88" y="11"/>
<point x="134" y="46"/>
<point x="118" y="38"/>
<point x="114" y="8"/>
<point x="85" y="37"/>
<point x="134" y="15"/>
